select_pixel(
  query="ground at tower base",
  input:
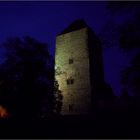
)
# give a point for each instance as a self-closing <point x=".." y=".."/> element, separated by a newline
<point x="102" y="125"/>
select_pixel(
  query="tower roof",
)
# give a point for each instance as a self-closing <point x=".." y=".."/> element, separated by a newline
<point x="76" y="25"/>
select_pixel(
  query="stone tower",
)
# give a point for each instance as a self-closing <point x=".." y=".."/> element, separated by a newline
<point x="78" y="67"/>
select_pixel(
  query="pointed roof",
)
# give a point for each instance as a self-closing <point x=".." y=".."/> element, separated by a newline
<point x="76" y="25"/>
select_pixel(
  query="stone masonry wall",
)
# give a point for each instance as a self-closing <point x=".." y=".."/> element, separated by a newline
<point x="73" y="45"/>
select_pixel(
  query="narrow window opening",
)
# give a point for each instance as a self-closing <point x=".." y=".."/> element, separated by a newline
<point x="70" y="61"/>
<point x="71" y="107"/>
<point x="70" y="81"/>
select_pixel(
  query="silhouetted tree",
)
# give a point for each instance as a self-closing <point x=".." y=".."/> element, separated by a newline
<point x="124" y="34"/>
<point x="129" y="42"/>
<point x="26" y="77"/>
<point x="58" y="98"/>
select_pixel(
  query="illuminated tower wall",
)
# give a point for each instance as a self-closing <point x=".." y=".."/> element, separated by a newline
<point x="74" y="67"/>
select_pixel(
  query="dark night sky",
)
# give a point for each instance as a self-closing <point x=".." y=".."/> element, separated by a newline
<point x="44" y="20"/>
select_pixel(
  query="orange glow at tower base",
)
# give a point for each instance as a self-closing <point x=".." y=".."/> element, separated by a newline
<point x="3" y="112"/>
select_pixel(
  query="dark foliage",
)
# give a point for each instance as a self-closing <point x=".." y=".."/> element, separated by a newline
<point x="58" y="100"/>
<point x="129" y="42"/>
<point x="26" y="77"/>
<point x="126" y="35"/>
<point x="131" y="80"/>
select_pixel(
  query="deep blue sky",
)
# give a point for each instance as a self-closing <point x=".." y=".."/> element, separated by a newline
<point x="44" y="20"/>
